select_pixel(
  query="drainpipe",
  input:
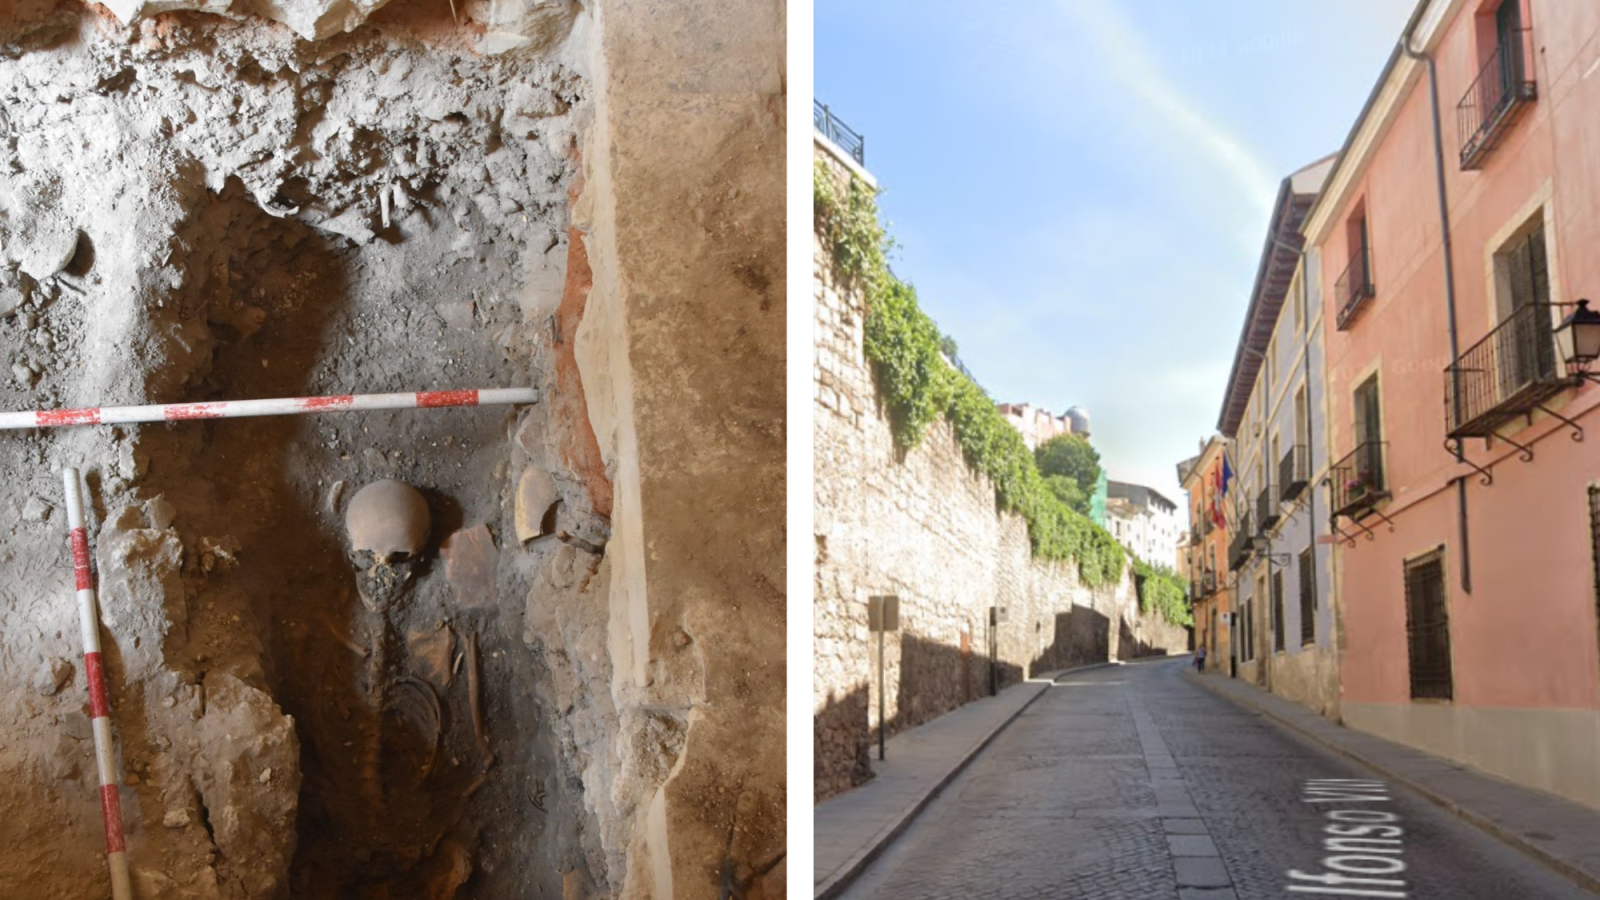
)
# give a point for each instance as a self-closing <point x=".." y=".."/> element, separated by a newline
<point x="1450" y="296"/>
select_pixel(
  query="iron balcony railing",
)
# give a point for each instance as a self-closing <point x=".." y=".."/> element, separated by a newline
<point x="1505" y="375"/>
<point x="1353" y="289"/>
<point x="1294" y="472"/>
<point x="1243" y="542"/>
<point x="846" y="138"/>
<point x="1496" y="100"/>
<point x="1358" y="480"/>
<point x="1267" y="509"/>
<point x="1208" y="583"/>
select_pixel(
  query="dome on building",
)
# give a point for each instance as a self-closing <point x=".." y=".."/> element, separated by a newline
<point x="1079" y="417"/>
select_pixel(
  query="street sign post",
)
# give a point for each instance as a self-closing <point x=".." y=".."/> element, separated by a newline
<point x="997" y="614"/>
<point x="883" y="616"/>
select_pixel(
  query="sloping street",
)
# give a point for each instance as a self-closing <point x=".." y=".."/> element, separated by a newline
<point x="1134" y="783"/>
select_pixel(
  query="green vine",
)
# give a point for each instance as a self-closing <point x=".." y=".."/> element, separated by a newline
<point x="1164" y="592"/>
<point x="918" y="384"/>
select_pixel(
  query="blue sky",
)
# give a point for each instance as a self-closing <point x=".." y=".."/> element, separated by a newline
<point x="1080" y="188"/>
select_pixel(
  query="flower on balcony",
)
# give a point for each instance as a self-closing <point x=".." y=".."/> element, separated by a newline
<point x="1360" y="483"/>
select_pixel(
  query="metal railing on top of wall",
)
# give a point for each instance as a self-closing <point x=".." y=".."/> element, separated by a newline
<point x="846" y="138"/>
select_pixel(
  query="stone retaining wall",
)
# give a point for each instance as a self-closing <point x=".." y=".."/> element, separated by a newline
<point x="923" y="526"/>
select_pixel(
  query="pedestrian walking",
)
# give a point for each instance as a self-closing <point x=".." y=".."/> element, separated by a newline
<point x="1200" y="658"/>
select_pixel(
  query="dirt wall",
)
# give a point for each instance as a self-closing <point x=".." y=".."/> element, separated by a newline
<point x="682" y="355"/>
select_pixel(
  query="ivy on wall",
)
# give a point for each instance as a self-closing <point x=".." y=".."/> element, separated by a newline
<point x="1163" y="592"/>
<point x="918" y="385"/>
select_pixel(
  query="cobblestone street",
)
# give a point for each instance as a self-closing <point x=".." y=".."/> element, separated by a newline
<point x="1133" y="783"/>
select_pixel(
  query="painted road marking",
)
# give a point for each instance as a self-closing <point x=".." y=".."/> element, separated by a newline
<point x="1363" y="846"/>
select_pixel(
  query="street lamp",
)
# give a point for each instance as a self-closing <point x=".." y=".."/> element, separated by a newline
<point x="1578" y="338"/>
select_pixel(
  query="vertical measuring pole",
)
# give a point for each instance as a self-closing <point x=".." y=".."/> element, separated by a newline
<point x="99" y="709"/>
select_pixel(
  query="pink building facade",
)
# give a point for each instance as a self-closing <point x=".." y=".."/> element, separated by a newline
<point x="1037" y="425"/>
<point x="1470" y="591"/>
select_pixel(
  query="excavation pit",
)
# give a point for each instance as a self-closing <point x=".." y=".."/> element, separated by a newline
<point x="579" y="691"/>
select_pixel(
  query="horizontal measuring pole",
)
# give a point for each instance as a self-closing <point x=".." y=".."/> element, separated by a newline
<point x="284" y="406"/>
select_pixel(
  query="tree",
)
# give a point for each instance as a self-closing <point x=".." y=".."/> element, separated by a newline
<point x="1067" y="491"/>
<point x="1072" y="459"/>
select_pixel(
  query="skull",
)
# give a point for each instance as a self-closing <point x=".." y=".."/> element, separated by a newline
<point x="388" y="524"/>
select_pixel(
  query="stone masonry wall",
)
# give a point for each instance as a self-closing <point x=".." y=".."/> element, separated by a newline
<point x="922" y="525"/>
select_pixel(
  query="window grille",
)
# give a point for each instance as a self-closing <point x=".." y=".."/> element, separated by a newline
<point x="1428" y="628"/>
<point x="1308" y="599"/>
<point x="1277" y="611"/>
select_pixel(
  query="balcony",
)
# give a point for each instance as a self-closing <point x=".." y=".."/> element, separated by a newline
<point x="1294" y="473"/>
<point x="1507" y="374"/>
<point x="1358" y="481"/>
<point x="1243" y="543"/>
<point x="843" y="136"/>
<point x="1208" y="583"/>
<point x="1496" y="100"/>
<point x="1267" y="509"/>
<point x="1353" y="290"/>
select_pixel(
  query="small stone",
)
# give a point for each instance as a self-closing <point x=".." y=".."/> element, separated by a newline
<point x="266" y="775"/>
<point x="529" y="437"/>
<point x="132" y="778"/>
<point x="22" y="374"/>
<point x="36" y="509"/>
<point x="572" y="885"/>
<point x="49" y="249"/>
<point x="52" y="676"/>
<point x="12" y="296"/>
<point x="76" y="725"/>
<point x="535" y="504"/>
<point x="469" y="562"/>
<point x="160" y="512"/>
<point x="176" y="818"/>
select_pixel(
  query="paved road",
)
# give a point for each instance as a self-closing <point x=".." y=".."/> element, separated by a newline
<point x="1131" y="783"/>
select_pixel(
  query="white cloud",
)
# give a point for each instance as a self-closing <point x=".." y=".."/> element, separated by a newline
<point x="1138" y="70"/>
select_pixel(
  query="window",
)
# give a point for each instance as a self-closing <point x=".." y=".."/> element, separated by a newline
<point x="1308" y="599"/>
<point x="1211" y="635"/>
<point x="1243" y="639"/>
<point x="1428" y="628"/>
<point x="1300" y="302"/>
<point x="1354" y="287"/>
<point x="1302" y="419"/>
<point x="1523" y="302"/>
<point x="1502" y="87"/>
<point x="1277" y="611"/>
<point x="1368" y="419"/>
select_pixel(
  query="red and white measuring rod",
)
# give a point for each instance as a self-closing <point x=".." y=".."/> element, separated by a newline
<point x="284" y="406"/>
<point x="105" y="752"/>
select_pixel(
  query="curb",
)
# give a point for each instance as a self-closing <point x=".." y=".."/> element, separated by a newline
<point x="1582" y="877"/>
<point x="851" y="870"/>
